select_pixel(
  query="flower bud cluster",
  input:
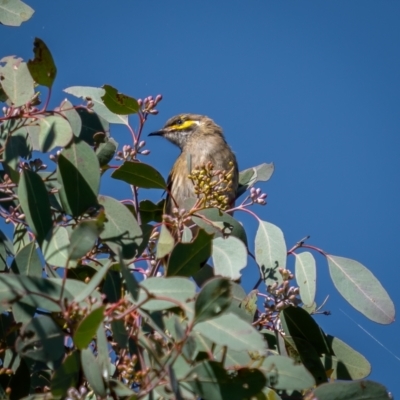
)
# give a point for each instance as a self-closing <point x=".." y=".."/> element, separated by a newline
<point x="129" y="153"/>
<point x="213" y="187"/>
<point x="149" y="103"/>
<point x="37" y="165"/>
<point x="177" y="219"/>
<point x="76" y="394"/>
<point x="126" y="368"/>
<point x="282" y="295"/>
<point x="54" y="157"/>
<point x="257" y="196"/>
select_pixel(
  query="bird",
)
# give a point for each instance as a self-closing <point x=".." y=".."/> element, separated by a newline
<point x="206" y="167"/>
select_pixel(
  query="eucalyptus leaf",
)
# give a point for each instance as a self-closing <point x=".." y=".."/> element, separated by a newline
<point x="92" y="371"/>
<point x="165" y="242"/>
<point x="270" y="252"/>
<point x="42" y="67"/>
<point x="214" y="298"/>
<point x="284" y="374"/>
<point x="55" y="131"/>
<point x="27" y="261"/>
<point x="229" y="256"/>
<point x="87" y="328"/>
<point x="79" y="174"/>
<point x="35" y="203"/>
<point x="119" y="103"/>
<point x="41" y="339"/>
<point x="231" y="331"/>
<point x="15" y="12"/>
<point x="366" y="390"/>
<point x="16" y="80"/>
<point x="95" y="95"/>
<point x="66" y="375"/>
<point x="187" y="258"/>
<point x="139" y="174"/>
<point x="121" y="230"/>
<point x="345" y="362"/>
<point x="178" y="290"/>
<point x="361" y="289"/>
<point x="306" y="277"/>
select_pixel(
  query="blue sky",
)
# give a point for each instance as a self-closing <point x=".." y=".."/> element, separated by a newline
<point x="312" y="86"/>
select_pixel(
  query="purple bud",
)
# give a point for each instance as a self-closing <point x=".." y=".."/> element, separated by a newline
<point x="258" y="191"/>
<point x="145" y="152"/>
<point x="158" y="98"/>
<point x="140" y="102"/>
<point x="252" y="191"/>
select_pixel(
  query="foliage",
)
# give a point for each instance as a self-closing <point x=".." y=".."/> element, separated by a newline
<point x="103" y="298"/>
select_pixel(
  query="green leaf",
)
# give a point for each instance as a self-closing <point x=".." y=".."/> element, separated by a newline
<point x="249" y="304"/>
<point x="120" y="390"/>
<point x="229" y="257"/>
<point x="239" y="336"/>
<point x="284" y="374"/>
<point x="165" y="242"/>
<point x="179" y="290"/>
<point x="306" y="277"/>
<point x="55" y="247"/>
<point x="112" y="286"/>
<point x="228" y="224"/>
<point x="16" y="81"/>
<point x="305" y="353"/>
<point x="249" y="177"/>
<point x="92" y="371"/>
<point x="71" y="114"/>
<point x="21" y="237"/>
<point x="151" y="212"/>
<point x="345" y="362"/>
<point x="95" y="95"/>
<point x="119" y="103"/>
<point x="215" y="297"/>
<point x="17" y="146"/>
<point x="14" y="12"/>
<point x="187" y="258"/>
<point x="92" y="124"/>
<point x="55" y="131"/>
<point x="83" y="238"/>
<point x="297" y="323"/>
<point x="95" y="281"/>
<point x="139" y="174"/>
<point x="130" y="281"/>
<point x="106" y="151"/>
<point x="210" y="380"/>
<point x="365" y="390"/>
<point x="41" y="339"/>
<point x="87" y="328"/>
<point x="27" y="261"/>
<point x="102" y="351"/>
<point x="79" y="174"/>
<point x="120" y="335"/>
<point x="270" y="252"/>
<point x="361" y="289"/>
<point x="42" y="67"/>
<point x="35" y="204"/>
<point x="121" y="230"/>
<point x="23" y="313"/>
<point x="66" y="375"/>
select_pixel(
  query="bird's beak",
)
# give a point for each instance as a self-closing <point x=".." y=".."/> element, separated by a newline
<point x="157" y="133"/>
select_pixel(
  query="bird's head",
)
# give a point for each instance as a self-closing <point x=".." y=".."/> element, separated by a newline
<point x="185" y="128"/>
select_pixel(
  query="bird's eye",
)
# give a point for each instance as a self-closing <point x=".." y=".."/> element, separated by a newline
<point x="179" y="122"/>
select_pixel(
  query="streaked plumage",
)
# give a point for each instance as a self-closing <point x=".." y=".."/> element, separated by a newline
<point x="201" y="141"/>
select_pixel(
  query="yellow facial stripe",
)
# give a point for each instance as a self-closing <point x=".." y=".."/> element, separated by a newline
<point x="184" y="125"/>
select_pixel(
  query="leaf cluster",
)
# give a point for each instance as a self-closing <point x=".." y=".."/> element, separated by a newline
<point x="103" y="298"/>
